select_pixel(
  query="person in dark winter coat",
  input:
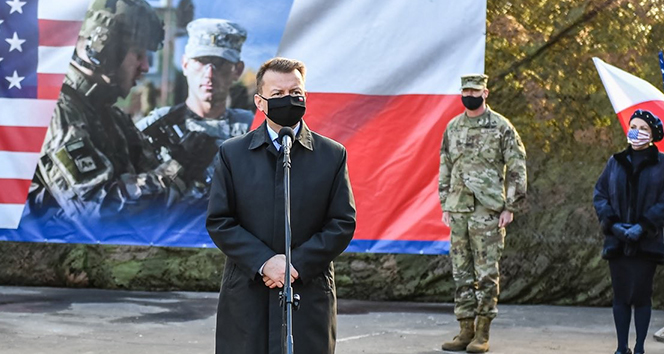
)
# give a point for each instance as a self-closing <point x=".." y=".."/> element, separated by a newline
<point x="246" y="221"/>
<point x="629" y="201"/>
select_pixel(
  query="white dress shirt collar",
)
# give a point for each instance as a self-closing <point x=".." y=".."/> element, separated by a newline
<point x="274" y="136"/>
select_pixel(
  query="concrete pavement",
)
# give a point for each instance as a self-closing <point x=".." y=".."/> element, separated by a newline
<point x="82" y="321"/>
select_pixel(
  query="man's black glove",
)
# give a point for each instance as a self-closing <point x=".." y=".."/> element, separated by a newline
<point x="634" y="233"/>
<point x="619" y="230"/>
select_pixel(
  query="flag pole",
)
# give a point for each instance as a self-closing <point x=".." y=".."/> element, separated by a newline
<point x="661" y="64"/>
<point x="659" y="335"/>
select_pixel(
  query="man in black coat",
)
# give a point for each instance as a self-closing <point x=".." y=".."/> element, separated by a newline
<point x="246" y="221"/>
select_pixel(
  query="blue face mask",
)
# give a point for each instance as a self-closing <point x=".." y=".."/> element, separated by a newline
<point x="638" y="138"/>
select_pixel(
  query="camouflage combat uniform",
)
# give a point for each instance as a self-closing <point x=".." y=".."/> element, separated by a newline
<point x="482" y="173"/>
<point x="210" y="133"/>
<point x="94" y="161"/>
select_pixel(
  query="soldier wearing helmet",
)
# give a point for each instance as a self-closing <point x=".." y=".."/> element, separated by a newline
<point x="94" y="162"/>
<point x="196" y="128"/>
<point x="114" y="40"/>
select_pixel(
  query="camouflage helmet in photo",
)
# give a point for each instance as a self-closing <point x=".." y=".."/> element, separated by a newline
<point x="112" y="27"/>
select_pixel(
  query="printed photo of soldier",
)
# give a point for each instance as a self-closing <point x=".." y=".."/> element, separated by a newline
<point x="187" y="81"/>
<point x="193" y="130"/>
<point x="94" y="162"/>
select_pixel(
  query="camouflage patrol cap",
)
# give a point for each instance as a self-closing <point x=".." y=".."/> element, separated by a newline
<point x="215" y="37"/>
<point x="474" y="81"/>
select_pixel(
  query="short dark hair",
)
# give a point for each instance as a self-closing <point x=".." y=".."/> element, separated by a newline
<point x="280" y="65"/>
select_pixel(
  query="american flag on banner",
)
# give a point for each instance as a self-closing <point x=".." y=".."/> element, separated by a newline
<point x="37" y="40"/>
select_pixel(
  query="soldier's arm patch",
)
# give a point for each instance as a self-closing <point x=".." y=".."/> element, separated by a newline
<point x="76" y="151"/>
<point x="85" y="164"/>
<point x="81" y="164"/>
<point x="81" y="155"/>
<point x="73" y="173"/>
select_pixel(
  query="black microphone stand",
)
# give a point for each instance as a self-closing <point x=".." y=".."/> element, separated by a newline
<point x="288" y="300"/>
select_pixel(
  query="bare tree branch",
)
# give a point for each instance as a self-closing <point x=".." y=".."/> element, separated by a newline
<point x="587" y="17"/>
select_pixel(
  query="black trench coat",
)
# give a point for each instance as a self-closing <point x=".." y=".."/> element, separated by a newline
<point x="246" y="221"/>
<point x="632" y="196"/>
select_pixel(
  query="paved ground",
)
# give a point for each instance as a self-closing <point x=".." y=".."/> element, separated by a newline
<point x="68" y="321"/>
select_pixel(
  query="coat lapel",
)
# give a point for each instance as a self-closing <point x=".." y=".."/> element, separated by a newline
<point x="261" y="137"/>
<point x="305" y="138"/>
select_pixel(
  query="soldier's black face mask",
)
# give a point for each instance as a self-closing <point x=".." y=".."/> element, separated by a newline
<point x="472" y="102"/>
<point x="286" y="111"/>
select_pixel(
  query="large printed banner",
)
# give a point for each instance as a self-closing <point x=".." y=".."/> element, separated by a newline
<point x="383" y="80"/>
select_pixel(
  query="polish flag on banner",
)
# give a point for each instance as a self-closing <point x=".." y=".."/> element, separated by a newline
<point x="628" y="93"/>
<point x="38" y="38"/>
<point x="384" y="80"/>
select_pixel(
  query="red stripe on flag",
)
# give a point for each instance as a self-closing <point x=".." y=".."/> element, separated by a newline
<point x="14" y="191"/>
<point x="655" y="107"/>
<point x="54" y="33"/>
<point x="393" y="145"/>
<point x="21" y="139"/>
<point x="49" y="86"/>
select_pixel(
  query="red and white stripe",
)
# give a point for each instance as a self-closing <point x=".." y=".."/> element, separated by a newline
<point x="628" y="93"/>
<point x="23" y="122"/>
<point x="384" y="80"/>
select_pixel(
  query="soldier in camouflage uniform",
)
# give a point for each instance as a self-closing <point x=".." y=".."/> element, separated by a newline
<point x="94" y="162"/>
<point x="482" y="183"/>
<point x="196" y="128"/>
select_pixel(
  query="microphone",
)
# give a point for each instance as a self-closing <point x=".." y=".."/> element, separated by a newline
<point x="286" y="137"/>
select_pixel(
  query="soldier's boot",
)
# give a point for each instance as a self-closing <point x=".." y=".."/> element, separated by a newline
<point x="480" y="343"/>
<point x="466" y="334"/>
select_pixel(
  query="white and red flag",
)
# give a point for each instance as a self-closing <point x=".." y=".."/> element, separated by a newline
<point x="37" y="39"/>
<point x="628" y="93"/>
<point x="384" y="80"/>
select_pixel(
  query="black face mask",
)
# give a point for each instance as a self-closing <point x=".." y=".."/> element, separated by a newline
<point x="472" y="102"/>
<point x="286" y="111"/>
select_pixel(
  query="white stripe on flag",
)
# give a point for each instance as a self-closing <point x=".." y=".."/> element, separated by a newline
<point x="624" y="89"/>
<point x="54" y="60"/>
<point x="70" y="10"/>
<point x="21" y="112"/>
<point x="18" y="165"/>
<point x="395" y="48"/>
<point x="10" y="215"/>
